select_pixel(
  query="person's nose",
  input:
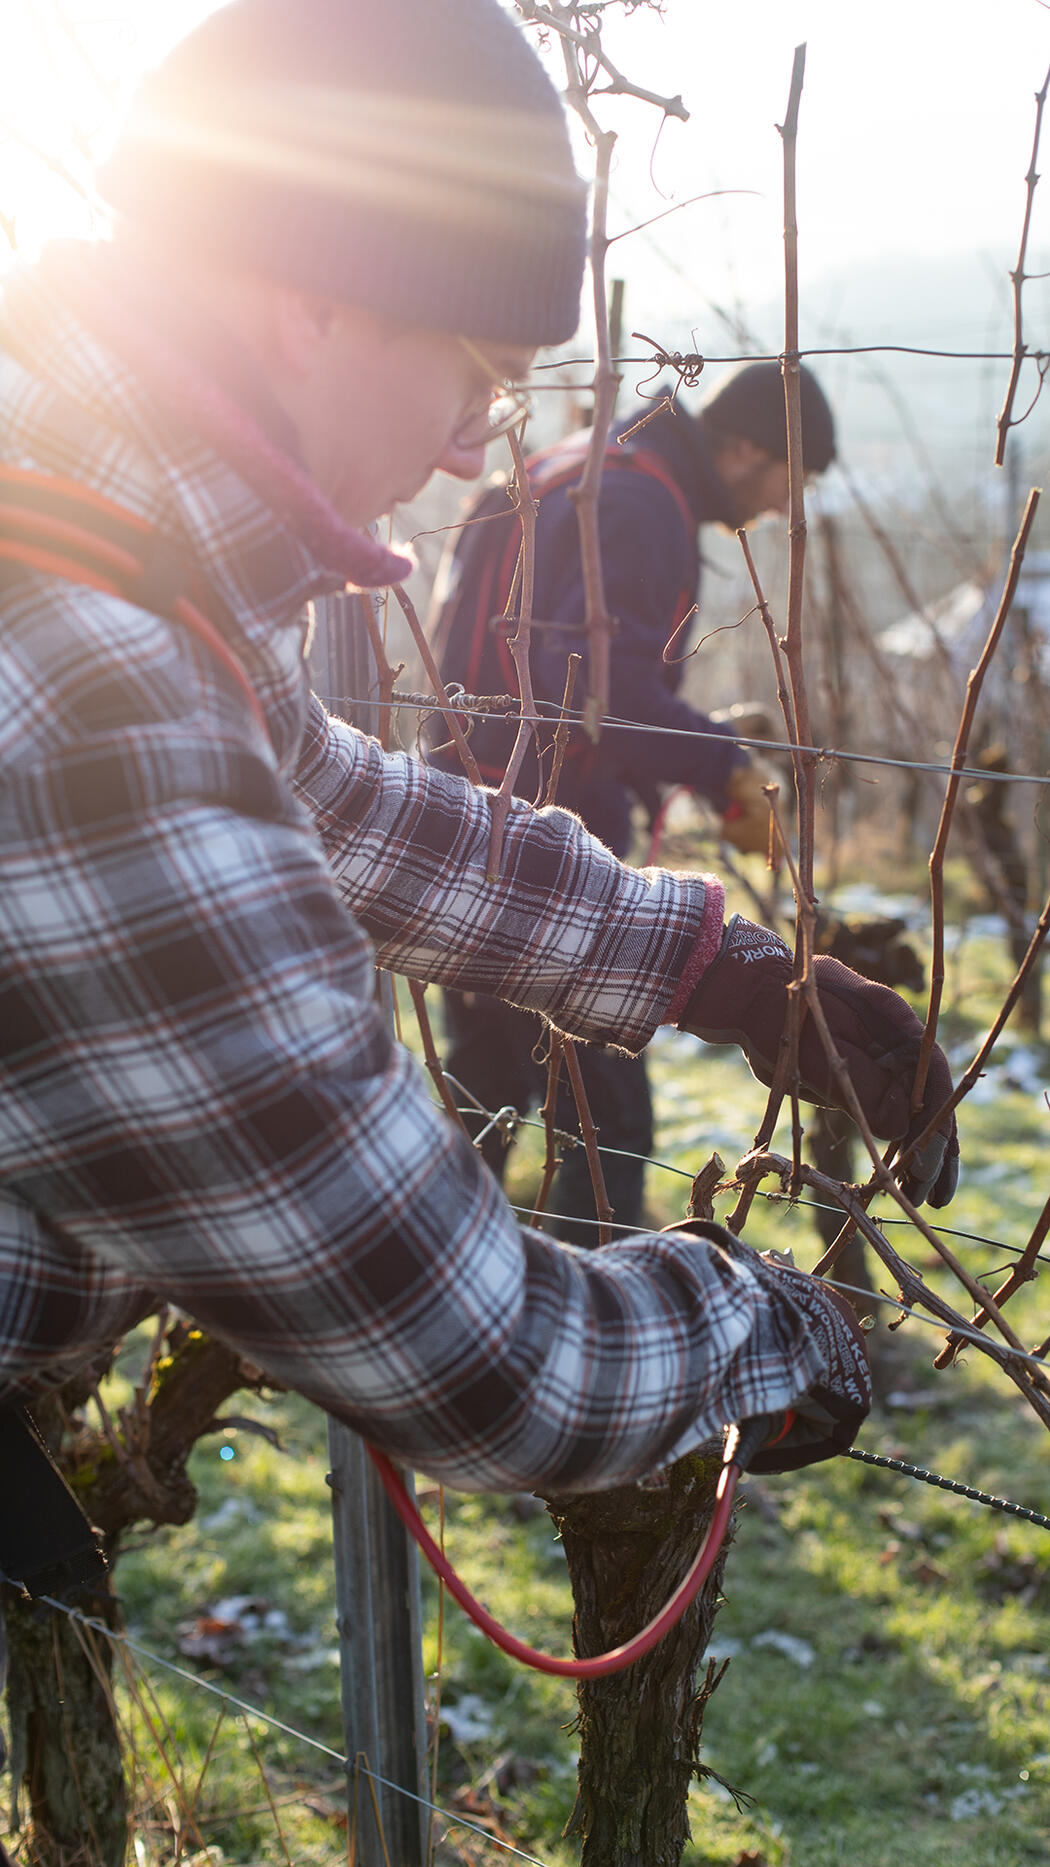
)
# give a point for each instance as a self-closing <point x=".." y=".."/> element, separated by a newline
<point x="779" y="497"/>
<point x="462" y="462"/>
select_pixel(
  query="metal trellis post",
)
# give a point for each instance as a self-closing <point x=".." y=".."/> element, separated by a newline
<point x="376" y="1564"/>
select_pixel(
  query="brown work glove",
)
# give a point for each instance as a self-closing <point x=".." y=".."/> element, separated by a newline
<point x="827" y="1419"/>
<point x="745" y="822"/>
<point x="742" y="999"/>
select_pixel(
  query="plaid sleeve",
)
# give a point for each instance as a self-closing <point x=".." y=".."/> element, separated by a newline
<point x="200" y="1102"/>
<point x="566" y="929"/>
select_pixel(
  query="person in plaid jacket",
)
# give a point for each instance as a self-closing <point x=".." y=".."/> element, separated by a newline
<point x="199" y="1100"/>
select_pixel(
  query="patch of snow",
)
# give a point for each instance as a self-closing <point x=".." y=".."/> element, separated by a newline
<point x="1014" y="1067"/>
<point x="232" y="1510"/>
<point x="916" y="1400"/>
<point x="1026" y="1069"/>
<point x="952" y="618"/>
<point x="469" y="1719"/>
<point x="312" y="1658"/>
<point x="253" y="1615"/>
<point x="992" y="1173"/>
<point x="865" y="898"/>
<point x="983" y="927"/>
<point x="974" y="1802"/>
<point x="788" y="1644"/>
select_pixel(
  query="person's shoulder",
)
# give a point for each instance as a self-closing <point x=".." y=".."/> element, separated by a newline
<point x="646" y="508"/>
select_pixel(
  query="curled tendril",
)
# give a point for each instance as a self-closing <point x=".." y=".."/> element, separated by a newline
<point x="687" y="366"/>
<point x="455" y="691"/>
<point x="1043" y="366"/>
<point x="667" y="655"/>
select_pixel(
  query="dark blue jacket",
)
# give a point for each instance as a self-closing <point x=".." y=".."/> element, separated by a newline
<point x="657" y="490"/>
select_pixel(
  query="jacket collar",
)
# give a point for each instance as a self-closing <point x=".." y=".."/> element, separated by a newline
<point x="162" y="416"/>
<point x="679" y="439"/>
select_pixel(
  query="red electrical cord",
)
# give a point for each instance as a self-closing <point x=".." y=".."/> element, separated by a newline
<point x="656" y="834"/>
<point x="616" y="1658"/>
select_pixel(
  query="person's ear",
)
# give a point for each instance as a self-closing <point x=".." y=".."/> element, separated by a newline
<point x="736" y="457"/>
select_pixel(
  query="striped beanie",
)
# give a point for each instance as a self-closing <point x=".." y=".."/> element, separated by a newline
<point x="408" y="156"/>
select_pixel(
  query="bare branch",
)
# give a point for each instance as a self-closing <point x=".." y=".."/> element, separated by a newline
<point x="1017" y="277"/>
<point x="962" y="741"/>
<point x="1031" y="1381"/>
<point x="590" y="1140"/>
<point x="792" y="692"/>
<point x="557" y="19"/>
<point x="430" y="1055"/>
<point x="971" y="1074"/>
<point x="712" y="194"/>
<point x="547" y="1116"/>
<point x="585" y="496"/>
<point x="525" y="506"/>
<point x="561" y="736"/>
<point x="448" y="714"/>
<point x="1021" y="1272"/>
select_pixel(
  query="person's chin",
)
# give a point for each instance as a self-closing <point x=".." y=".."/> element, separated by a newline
<point x="405" y="498"/>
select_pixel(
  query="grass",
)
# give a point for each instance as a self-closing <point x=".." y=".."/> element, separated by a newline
<point x="888" y="1696"/>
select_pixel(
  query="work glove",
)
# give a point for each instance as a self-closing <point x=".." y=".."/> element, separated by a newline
<point x="742" y="999"/>
<point x="746" y="818"/>
<point x="745" y="821"/>
<point x="827" y="1418"/>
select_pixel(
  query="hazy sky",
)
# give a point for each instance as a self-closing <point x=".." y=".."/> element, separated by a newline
<point x="915" y="131"/>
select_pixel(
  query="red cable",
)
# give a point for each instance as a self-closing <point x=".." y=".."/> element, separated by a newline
<point x="656" y="834"/>
<point x="616" y="1658"/>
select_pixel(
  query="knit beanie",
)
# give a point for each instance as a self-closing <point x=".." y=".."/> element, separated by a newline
<point x="407" y="156"/>
<point x="750" y="402"/>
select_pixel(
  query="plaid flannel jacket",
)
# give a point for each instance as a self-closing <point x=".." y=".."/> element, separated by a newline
<point x="199" y="1101"/>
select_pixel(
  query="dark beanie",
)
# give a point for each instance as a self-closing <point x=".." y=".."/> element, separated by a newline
<point x="750" y="402"/>
<point x="408" y="156"/>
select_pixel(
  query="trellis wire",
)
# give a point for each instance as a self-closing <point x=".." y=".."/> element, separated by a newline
<point x="829" y="350"/>
<point x="474" y="1107"/>
<point x="870" y="1296"/>
<point x="830" y="753"/>
<point x="278" y="1724"/>
<point x="515" y="1120"/>
<point x="903" y="1309"/>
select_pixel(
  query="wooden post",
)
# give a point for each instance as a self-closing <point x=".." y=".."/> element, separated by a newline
<point x="376" y="1566"/>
